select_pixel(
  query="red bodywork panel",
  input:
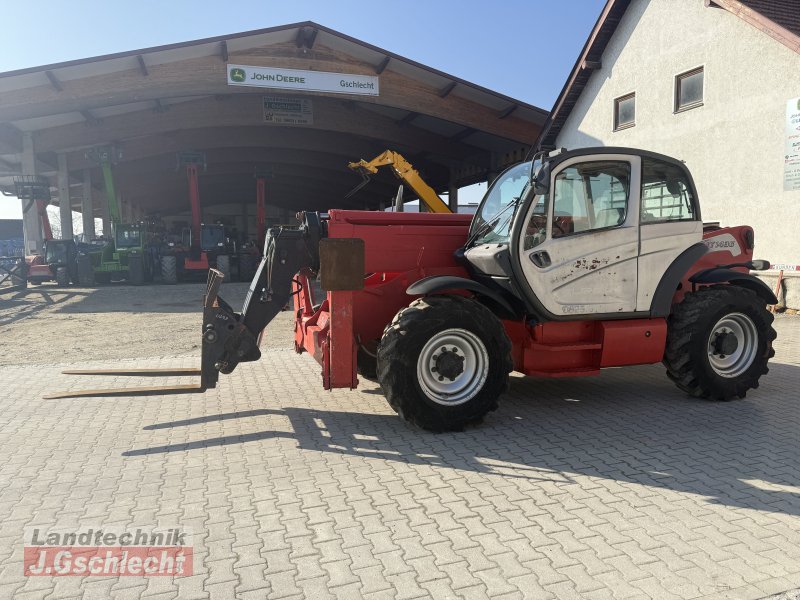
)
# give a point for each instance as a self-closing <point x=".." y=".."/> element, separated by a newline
<point x="401" y="248"/>
<point x="201" y="264"/>
<point x="36" y="268"/>
<point x="194" y="199"/>
<point x="726" y="245"/>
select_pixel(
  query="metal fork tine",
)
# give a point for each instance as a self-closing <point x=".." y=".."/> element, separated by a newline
<point x="135" y="372"/>
<point x="140" y="391"/>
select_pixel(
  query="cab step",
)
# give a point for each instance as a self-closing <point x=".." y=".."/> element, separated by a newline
<point x="567" y="346"/>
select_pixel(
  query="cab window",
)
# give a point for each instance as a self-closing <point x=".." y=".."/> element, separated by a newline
<point x="666" y="193"/>
<point x="589" y="196"/>
<point x="536" y="230"/>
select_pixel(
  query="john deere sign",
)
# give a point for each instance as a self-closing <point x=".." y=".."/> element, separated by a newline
<point x="311" y="81"/>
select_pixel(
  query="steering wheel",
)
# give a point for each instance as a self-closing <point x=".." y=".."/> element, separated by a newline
<point x="560" y="223"/>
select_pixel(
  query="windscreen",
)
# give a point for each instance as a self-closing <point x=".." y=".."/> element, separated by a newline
<point x="128" y="238"/>
<point x="212" y="237"/>
<point x="492" y="222"/>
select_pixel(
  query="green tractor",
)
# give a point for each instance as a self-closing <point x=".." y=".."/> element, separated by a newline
<point x="125" y="256"/>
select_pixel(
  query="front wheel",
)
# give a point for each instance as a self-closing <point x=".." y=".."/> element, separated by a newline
<point x="62" y="276"/>
<point x="443" y="362"/>
<point x="719" y="341"/>
<point x="169" y="269"/>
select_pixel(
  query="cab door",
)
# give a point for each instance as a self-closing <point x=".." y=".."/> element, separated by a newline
<point x="581" y="259"/>
<point x="670" y="223"/>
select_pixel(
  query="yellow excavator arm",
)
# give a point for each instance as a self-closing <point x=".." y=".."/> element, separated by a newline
<point x="407" y="174"/>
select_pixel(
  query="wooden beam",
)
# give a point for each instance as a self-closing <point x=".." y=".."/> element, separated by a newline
<point x="467" y="131"/>
<point x="591" y="65"/>
<point x="223" y="51"/>
<point x="54" y="81"/>
<point x="89" y="117"/>
<point x="142" y="65"/>
<point x="10" y="139"/>
<point x="445" y="91"/>
<point x="507" y="111"/>
<point x="383" y="64"/>
<point x="205" y="76"/>
<point x="330" y="114"/>
<point x="407" y="119"/>
<point x="286" y="138"/>
<point x="306" y="37"/>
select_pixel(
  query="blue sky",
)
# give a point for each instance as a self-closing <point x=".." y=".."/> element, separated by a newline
<point x="522" y="48"/>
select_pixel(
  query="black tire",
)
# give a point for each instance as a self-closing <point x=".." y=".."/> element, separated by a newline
<point x="692" y="353"/>
<point x="407" y="340"/>
<point x="224" y="265"/>
<point x="246" y="270"/>
<point x="136" y="274"/>
<point x="85" y="271"/>
<point x="169" y="269"/>
<point x="62" y="276"/>
<point x="103" y="277"/>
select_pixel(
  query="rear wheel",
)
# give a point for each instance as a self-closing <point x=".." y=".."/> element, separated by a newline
<point x="719" y="341"/>
<point x="169" y="269"/>
<point x="224" y="265"/>
<point x="443" y="362"/>
<point x="85" y="271"/>
<point x="62" y="276"/>
<point x="136" y="274"/>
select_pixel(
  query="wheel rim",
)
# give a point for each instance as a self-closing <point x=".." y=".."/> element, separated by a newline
<point x="732" y="345"/>
<point x="452" y="367"/>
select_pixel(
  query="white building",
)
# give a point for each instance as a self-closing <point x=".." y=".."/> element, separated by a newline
<point x="714" y="83"/>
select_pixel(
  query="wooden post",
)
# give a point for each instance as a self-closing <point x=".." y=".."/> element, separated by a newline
<point x="87" y="209"/>
<point x="64" y="203"/>
<point x="452" y="198"/>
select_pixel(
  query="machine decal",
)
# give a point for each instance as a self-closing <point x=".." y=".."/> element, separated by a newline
<point x="724" y="242"/>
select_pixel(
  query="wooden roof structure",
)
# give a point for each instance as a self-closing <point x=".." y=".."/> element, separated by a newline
<point x="153" y="103"/>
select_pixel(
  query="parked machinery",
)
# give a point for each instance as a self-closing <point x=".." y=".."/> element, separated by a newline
<point x="59" y="260"/>
<point x="208" y="244"/>
<point x="406" y="173"/>
<point x="122" y="254"/>
<point x="576" y="262"/>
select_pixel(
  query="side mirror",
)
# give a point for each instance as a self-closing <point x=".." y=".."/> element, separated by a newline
<point x="759" y="265"/>
<point x="541" y="179"/>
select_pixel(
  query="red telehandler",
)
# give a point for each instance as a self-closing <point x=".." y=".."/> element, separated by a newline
<point x="574" y="262"/>
<point x="59" y="261"/>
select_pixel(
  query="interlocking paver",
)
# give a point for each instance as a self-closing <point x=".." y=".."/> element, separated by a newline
<point x="633" y="491"/>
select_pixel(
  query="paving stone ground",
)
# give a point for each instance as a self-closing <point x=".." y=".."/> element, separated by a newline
<point x="616" y="486"/>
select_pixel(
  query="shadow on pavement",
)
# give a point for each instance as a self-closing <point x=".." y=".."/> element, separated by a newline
<point x="33" y="300"/>
<point x="628" y="425"/>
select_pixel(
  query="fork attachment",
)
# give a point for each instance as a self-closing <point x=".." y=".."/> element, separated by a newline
<point x="228" y="337"/>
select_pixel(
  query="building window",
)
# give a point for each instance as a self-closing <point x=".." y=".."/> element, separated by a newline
<point x="689" y="89"/>
<point x="624" y="112"/>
